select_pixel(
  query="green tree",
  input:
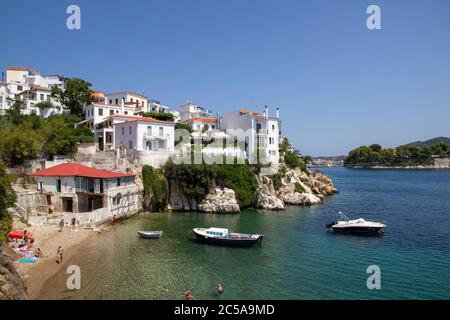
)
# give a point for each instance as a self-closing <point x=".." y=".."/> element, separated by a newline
<point x="7" y="198"/>
<point x="75" y="95"/>
<point x="19" y="143"/>
<point x="57" y="138"/>
<point x="163" y="116"/>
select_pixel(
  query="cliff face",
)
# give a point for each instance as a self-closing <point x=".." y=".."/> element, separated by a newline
<point x="11" y="285"/>
<point x="297" y="188"/>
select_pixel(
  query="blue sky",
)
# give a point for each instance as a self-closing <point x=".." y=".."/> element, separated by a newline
<point x="338" y="85"/>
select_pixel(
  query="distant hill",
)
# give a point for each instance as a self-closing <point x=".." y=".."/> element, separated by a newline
<point x="429" y="143"/>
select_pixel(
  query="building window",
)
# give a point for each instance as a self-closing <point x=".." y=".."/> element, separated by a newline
<point x="129" y="130"/>
<point x="48" y="98"/>
<point x="123" y="130"/>
<point x="117" y="101"/>
<point x="131" y="99"/>
<point x="271" y="140"/>
<point x="126" y="112"/>
<point x="161" y="145"/>
<point x="100" y="111"/>
<point x="273" y="127"/>
<point x="111" y="112"/>
<point x="110" y="101"/>
<point x="148" y="145"/>
<point x="161" y="131"/>
<point x="19" y="88"/>
<point x="42" y="96"/>
<point x="130" y="144"/>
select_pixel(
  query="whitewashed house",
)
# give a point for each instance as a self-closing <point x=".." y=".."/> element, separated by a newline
<point x="148" y="140"/>
<point x="97" y="112"/>
<point x="29" y="87"/>
<point x="138" y="101"/>
<point x="190" y="110"/>
<point x="156" y="106"/>
<point x="89" y="194"/>
<point x="5" y="98"/>
<point x="32" y="97"/>
<point x="262" y="133"/>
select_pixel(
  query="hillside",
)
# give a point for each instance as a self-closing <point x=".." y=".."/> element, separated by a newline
<point x="428" y="143"/>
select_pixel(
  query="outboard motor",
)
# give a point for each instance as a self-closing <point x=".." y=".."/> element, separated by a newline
<point x="331" y="224"/>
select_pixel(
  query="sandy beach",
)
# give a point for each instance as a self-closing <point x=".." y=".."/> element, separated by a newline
<point x="48" y="239"/>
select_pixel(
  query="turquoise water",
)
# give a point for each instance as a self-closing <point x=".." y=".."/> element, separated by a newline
<point x="299" y="258"/>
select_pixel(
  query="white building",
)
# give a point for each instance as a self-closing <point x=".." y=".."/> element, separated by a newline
<point x="97" y="112"/>
<point x="138" y="101"/>
<point x="202" y="124"/>
<point x="262" y="133"/>
<point x="32" y="97"/>
<point x="149" y="140"/>
<point x="190" y="110"/>
<point x="31" y="88"/>
<point x="156" y="106"/>
<point x="5" y="98"/>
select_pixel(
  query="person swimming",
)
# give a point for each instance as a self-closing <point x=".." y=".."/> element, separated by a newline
<point x="219" y="288"/>
<point x="188" y="294"/>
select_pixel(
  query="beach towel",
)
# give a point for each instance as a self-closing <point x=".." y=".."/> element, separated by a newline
<point x="26" y="260"/>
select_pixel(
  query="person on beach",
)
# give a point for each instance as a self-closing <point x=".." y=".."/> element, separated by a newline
<point x="61" y="225"/>
<point x="113" y="219"/>
<point x="25" y="236"/>
<point x="60" y="255"/>
<point x="188" y="294"/>
<point x="73" y="223"/>
<point x="219" y="288"/>
<point x="38" y="253"/>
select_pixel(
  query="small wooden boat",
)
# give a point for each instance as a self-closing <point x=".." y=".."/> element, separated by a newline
<point x="150" y="234"/>
<point x="226" y="237"/>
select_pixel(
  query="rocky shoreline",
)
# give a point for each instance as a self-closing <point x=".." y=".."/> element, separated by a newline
<point x="297" y="188"/>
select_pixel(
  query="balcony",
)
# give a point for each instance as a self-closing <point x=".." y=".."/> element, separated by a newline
<point x="264" y="132"/>
<point x="150" y="136"/>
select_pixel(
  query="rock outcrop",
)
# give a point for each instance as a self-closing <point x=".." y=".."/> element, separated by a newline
<point x="12" y="286"/>
<point x="321" y="184"/>
<point x="302" y="199"/>
<point x="266" y="196"/>
<point x="219" y="201"/>
<point x="178" y="201"/>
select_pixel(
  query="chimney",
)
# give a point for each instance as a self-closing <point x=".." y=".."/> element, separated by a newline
<point x="122" y="105"/>
<point x="278" y="113"/>
<point x="266" y="112"/>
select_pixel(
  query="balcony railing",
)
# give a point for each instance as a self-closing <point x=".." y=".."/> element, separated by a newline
<point x="262" y="131"/>
<point x="150" y="136"/>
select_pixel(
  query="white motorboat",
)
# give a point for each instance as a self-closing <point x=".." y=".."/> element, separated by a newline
<point x="357" y="226"/>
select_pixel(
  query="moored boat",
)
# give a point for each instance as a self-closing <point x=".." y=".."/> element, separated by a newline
<point x="226" y="237"/>
<point x="150" y="234"/>
<point x="357" y="226"/>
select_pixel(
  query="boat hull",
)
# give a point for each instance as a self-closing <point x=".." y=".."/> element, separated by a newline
<point x="228" y="241"/>
<point x="359" y="230"/>
<point x="150" y="235"/>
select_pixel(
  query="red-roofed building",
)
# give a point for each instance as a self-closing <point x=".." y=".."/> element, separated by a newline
<point x="76" y="188"/>
<point x="202" y="124"/>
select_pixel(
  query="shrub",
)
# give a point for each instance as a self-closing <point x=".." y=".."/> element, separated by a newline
<point x="276" y="179"/>
<point x="241" y="179"/>
<point x="193" y="179"/>
<point x="299" y="188"/>
<point x="156" y="188"/>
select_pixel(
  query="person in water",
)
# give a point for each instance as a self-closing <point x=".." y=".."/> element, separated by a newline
<point x="219" y="288"/>
<point x="188" y="294"/>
